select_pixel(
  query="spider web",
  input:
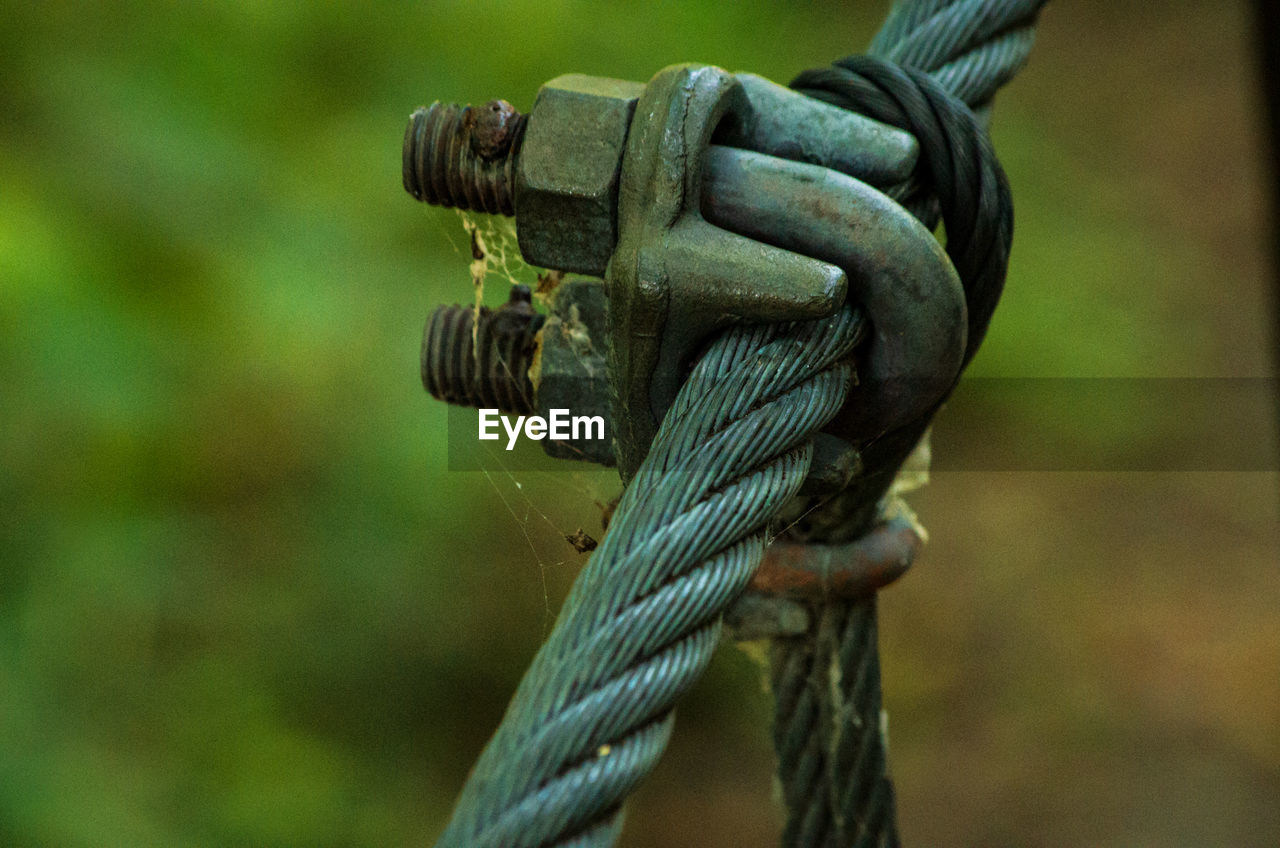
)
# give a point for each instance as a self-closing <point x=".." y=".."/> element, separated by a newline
<point x="549" y="508"/>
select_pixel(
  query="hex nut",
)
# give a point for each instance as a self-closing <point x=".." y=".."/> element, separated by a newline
<point x="572" y="371"/>
<point x="569" y="169"/>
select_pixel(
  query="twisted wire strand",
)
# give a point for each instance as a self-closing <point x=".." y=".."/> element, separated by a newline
<point x="594" y="711"/>
<point x="971" y="47"/>
<point x="832" y="759"/>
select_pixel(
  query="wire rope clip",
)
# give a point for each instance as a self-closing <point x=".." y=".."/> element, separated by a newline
<point x="705" y="198"/>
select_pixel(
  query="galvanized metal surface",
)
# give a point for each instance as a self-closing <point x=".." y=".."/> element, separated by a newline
<point x="529" y="367"/>
<point x="781" y="122"/>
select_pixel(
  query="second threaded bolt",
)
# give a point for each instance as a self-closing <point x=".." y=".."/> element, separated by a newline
<point x="483" y="362"/>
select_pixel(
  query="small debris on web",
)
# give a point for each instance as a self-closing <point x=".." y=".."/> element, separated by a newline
<point x="582" y="543"/>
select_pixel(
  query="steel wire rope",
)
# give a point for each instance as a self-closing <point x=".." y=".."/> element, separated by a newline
<point x="594" y="711"/>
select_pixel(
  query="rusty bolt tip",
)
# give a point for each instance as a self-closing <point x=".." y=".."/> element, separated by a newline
<point x="441" y="162"/>
<point x="493" y="127"/>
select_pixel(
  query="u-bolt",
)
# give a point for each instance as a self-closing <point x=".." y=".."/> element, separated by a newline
<point x="897" y="271"/>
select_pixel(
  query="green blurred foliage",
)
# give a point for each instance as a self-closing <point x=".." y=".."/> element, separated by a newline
<point x="242" y="602"/>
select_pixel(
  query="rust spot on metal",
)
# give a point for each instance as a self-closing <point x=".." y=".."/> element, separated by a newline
<point x="492" y="127"/>
<point x="850" y="571"/>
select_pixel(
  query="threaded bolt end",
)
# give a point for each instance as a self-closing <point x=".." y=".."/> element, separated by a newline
<point x="463" y="156"/>
<point x="487" y="369"/>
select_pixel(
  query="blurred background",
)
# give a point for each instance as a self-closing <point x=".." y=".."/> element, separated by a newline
<point x="242" y="602"/>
